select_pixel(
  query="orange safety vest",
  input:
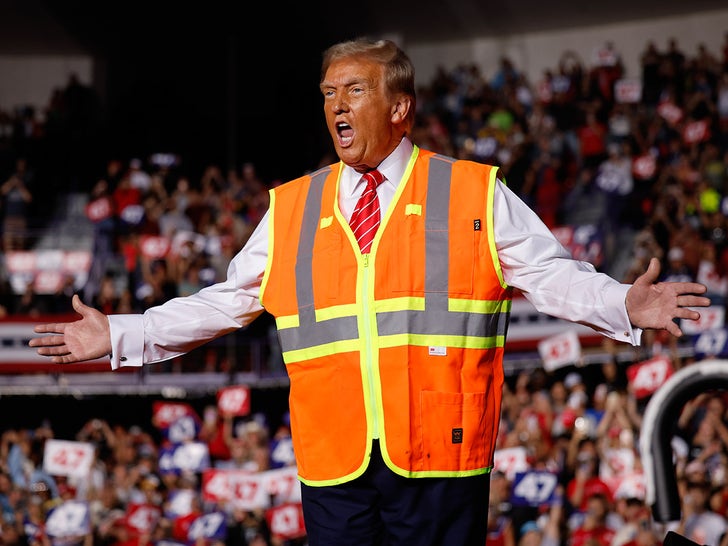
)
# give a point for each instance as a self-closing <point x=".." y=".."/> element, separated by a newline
<point x="404" y="344"/>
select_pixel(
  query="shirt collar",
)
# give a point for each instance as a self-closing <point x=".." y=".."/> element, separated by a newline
<point x="392" y="167"/>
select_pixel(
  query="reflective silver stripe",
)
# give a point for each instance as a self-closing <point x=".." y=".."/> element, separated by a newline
<point x="436" y="319"/>
<point x="437" y="233"/>
<point x="311" y="333"/>
<point x="439" y="322"/>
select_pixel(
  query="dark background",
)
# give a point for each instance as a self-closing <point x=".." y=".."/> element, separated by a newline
<point x="229" y="82"/>
<point x="66" y="414"/>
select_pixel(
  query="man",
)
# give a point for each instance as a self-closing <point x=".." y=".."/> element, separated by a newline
<point x="394" y="348"/>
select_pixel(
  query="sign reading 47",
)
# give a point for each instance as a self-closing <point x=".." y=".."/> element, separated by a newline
<point x="534" y="488"/>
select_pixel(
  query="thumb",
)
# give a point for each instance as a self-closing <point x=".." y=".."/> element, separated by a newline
<point x="653" y="272"/>
<point x="78" y="306"/>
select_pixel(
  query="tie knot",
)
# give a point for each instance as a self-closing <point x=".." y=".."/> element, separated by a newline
<point x="373" y="178"/>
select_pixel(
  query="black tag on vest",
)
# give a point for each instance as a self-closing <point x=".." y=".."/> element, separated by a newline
<point x="476" y="224"/>
<point x="457" y="436"/>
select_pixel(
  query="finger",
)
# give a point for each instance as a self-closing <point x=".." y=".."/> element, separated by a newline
<point x="674" y="329"/>
<point x="46" y="341"/>
<point x="689" y="288"/>
<point x="693" y="301"/>
<point x="687" y="314"/>
<point x="56" y="328"/>
<point x="60" y="350"/>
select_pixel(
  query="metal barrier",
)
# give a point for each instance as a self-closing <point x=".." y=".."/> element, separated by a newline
<point x="660" y="417"/>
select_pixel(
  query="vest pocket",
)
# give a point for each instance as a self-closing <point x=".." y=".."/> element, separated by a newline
<point x="464" y="239"/>
<point x="454" y="432"/>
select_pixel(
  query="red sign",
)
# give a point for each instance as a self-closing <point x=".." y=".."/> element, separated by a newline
<point x="166" y="413"/>
<point x="99" y="209"/>
<point x="670" y="112"/>
<point x="696" y="131"/>
<point x="154" y="246"/>
<point x="647" y="376"/>
<point x="234" y="401"/>
<point x="143" y="518"/>
<point x="644" y="167"/>
<point x="286" y="521"/>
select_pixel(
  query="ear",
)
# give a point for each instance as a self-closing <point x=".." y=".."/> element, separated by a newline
<point x="400" y="109"/>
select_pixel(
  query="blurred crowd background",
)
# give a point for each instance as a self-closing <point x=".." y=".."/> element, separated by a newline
<point x="644" y="164"/>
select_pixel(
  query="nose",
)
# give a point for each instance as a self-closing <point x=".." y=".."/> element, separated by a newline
<point x="340" y="105"/>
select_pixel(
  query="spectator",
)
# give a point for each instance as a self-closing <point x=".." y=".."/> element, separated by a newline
<point x="17" y="195"/>
<point x="24" y="455"/>
<point x="595" y="527"/>
<point x="676" y="266"/>
<point x="500" y="528"/>
<point x="586" y="482"/>
<point x="637" y="526"/>
<point x="698" y="522"/>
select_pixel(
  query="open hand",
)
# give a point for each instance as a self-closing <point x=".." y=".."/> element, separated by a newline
<point x="85" y="339"/>
<point x="655" y="305"/>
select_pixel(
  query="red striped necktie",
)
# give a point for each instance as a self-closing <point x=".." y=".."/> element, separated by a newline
<point x="365" y="218"/>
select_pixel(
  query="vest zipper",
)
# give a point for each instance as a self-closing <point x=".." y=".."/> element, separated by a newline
<point x="368" y="349"/>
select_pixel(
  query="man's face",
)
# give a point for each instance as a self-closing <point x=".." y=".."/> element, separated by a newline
<point x="360" y="114"/>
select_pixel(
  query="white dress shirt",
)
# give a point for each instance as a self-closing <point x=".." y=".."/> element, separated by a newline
<point x="532" y="260"/>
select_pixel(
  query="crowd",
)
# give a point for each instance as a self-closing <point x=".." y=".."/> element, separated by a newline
<point x="137" y="490"/>
<point x="653" y="154"/>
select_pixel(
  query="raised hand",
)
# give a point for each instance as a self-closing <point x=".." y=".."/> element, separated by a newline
<point x="654" y="305"/>
<point x="85" y="339"/>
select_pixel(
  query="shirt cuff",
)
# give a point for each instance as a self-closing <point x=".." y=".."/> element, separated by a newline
<point x="127" y="340"/>
<point x="624" y="330"/>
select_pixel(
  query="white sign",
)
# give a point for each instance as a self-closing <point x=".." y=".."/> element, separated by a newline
<point x="510" y="461"/>
<point x="67" y="458"/>
<point x="711" y="318"/>
<point x="68" y="519"/>
<point x="628" y="91"/>
<point x="560" y="350"/>
<point x="250" y="491"/>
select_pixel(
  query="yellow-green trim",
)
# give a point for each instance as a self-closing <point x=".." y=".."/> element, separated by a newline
<point x="336" y="311"/>
<point x="429" y="473"/>
<point x="269" y="258"/>
<point x="288" y="321"/>
<point x="340" y="216"/>
<point x="327" y="349"/>
<point x="414" y="209"/>
<point x="491" y="231"/>
<point x="479" y="306"/>
<point x="427" y="340"/>
<point x="369" y="361"/>
<point x="405" y="303"/>
<point x="376" y="415"/>
<point x="347" y="478"/>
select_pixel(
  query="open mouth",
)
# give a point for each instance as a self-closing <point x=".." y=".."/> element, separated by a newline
<point x="345" y="133"/>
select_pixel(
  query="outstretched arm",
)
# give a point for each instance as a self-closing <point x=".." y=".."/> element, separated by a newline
<point x="85" y="339"/>
<point x="655" y="305"/>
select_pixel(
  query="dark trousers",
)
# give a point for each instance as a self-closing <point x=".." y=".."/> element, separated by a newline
<point x="381" y="508"/>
